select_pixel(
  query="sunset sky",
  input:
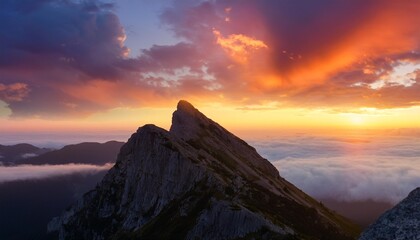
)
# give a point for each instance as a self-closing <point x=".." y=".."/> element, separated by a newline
<point x="77" y="66"/>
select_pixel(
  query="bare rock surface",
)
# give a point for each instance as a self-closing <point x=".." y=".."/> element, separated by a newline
<point x="196" y="181"/>
<point x="402" y="222"/>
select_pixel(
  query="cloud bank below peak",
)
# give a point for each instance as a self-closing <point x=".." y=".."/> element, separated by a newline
<point x="34" y="172"/>
<point x="355" y="168"/>
<point x="297" y="53"/>
<point x="383" y="179"/>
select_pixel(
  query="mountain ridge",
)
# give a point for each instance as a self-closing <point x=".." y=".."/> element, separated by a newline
<point x="15" y="154"/>
<point x="196" y="180"/>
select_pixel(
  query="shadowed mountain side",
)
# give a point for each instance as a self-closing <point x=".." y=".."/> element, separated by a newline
<point x="82" y="153"/>
<point x="363" y="213"/>
<point x="197" y="181"/>
<point x="402" y="222"/>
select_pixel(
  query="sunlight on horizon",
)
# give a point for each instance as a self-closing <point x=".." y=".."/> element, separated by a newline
<point x="241" y="121"/>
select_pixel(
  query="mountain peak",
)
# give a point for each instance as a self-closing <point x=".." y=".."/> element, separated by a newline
<point x="197" y="181"/>
<point x="187" y="120"/>
<point x="191" y="125"/>
<point x="185" y="106"/>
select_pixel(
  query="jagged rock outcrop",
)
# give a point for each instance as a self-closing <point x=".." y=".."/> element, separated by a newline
<point x="402" y="222"/>
<point x="197" y="181"/>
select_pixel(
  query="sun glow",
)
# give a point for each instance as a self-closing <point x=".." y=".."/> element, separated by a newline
<point x="356" y="119"/>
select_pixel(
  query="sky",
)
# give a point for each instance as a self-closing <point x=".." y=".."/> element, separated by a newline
<point x="73" y="66"/>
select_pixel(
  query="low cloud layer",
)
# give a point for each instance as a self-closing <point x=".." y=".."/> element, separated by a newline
<point x="33" y="172"/>
<point x="353" y="178"/>
<point x="348" y="169"/>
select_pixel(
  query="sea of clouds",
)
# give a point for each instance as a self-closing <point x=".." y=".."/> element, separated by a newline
<point x="353" y="168"/>
<point x="350" y="168"/>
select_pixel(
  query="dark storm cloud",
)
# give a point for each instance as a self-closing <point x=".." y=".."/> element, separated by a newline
<point x="45" y="35"/>
<point x="48" y="45"/>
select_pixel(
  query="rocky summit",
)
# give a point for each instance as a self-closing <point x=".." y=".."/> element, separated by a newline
<point x="402" y="222"/>
<point x="196" y="181"/>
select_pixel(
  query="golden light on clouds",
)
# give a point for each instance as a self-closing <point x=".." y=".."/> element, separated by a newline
<point x="239" y="46"/>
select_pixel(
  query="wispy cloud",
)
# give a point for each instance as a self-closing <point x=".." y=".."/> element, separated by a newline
<point x="29" y="155"/>
<point x="349" y="168"/>
<point x="32" y="172"/>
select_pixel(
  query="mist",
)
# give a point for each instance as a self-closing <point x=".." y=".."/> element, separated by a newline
<point x="33" y="172"/>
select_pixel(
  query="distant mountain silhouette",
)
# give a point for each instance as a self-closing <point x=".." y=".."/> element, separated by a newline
<point x="82" y="153"/>
<point x="14" y="154"/>
<point x="26" y="206"/>
<point x="197" y="181"/>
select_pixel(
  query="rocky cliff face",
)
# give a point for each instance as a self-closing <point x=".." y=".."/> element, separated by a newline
<point x="197" y="181"/>
<point x="399" y="223"/>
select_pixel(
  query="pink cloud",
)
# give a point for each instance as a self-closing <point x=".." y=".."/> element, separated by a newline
<point x="14" y="92"/>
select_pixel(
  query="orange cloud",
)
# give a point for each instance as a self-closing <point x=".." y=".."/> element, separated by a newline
<point x="326" y="54"/>
<point x="240" y="47"/>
